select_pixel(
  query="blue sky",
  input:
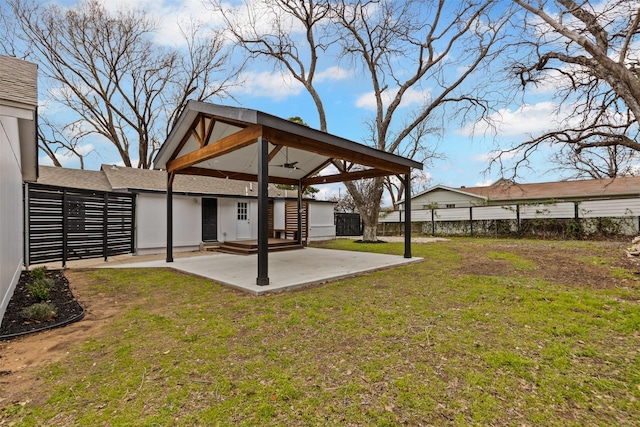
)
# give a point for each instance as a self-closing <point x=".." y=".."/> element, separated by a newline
<point x="466" y="147"/>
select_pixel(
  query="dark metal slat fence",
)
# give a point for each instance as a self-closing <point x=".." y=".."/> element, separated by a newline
<point x="69" y="224"/>
<point x="348" y="224"/>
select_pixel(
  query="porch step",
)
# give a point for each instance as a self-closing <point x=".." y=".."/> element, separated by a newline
<point x="248" y="247"/>
<point x="209" y="246"/>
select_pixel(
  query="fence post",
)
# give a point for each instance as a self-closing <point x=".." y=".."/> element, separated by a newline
<point x="433" y="223"/>
<point x="471" y="219"/>
<point x="518" y="220"/>
<point x="576" y="215"/>
<point x="105" y="226"/>
<point x="169" y="212"/>
<point x="65" y="226"/>
<point x="25" y="224"/>
<point x="134" y="198"/>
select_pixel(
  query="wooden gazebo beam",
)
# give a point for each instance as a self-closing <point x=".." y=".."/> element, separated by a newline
<point x="235" y="141"/>
<point x="276" y="136"/>
<point x="240" y="176"/>
<point x="347" y="176"/>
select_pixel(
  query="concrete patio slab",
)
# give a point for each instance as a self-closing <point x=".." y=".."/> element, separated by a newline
<point x="287" y="270"/>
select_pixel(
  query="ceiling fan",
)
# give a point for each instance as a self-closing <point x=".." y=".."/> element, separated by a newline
<point x="287" y="164"/>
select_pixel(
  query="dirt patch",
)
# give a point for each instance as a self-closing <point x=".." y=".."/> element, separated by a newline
<point x="22" y="357"/>
<point x="567" y="266"/>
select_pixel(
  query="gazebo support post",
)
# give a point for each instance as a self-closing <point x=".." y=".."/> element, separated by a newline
<point x="300" y="191"/>
<point x="263" y="212"/>
<point x="407" y="215"/>
<point x="170" y="176"/>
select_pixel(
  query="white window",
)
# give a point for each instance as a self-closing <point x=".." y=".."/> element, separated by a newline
<point x="242" y="211"/>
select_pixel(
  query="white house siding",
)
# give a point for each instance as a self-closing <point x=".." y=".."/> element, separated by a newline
<point x="151" y="223"/>
<point x="11" y="213"/>
<point x="279" y="214"/>
<point x="321" y="221"/>
<point x="443" y="198"/>
<point x="393" y="216"/>
<point x="227" y="211"/>
<point x="18" y="101"/>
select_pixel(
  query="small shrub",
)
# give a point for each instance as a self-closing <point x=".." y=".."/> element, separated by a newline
<point x="39" y="288"/>
<point x="39" y="273"/>
<point x="39" y="312"/>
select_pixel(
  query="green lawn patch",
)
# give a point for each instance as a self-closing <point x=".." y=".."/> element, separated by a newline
<point x="425" y="344"/>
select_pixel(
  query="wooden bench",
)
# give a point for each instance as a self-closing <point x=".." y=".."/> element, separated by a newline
<point x="281" y="233"/>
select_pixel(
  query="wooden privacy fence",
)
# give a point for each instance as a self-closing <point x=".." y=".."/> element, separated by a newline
<point x="612" y="216"/>
<point x="66" y="224"/>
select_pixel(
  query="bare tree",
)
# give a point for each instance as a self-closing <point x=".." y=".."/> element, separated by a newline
<point x="596" y="163"/>
<point x="267" y="30"/>
<point x="344" y="203"/>
<point x="61" y="140"/>
<point x="118" y="83"/>
<point x="404" y="49"/>
<point x="589" y="53"/>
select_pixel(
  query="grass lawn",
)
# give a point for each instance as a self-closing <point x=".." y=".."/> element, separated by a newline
<point x="483" y="332"/>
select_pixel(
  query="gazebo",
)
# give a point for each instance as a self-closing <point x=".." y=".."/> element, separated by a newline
<point x="243" y="144"/>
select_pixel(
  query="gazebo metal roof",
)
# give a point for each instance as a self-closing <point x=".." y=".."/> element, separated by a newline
<point x="243" y="144"/>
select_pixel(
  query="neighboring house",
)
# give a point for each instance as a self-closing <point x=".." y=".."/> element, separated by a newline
<point x="18" y="163"/>
<point x="218" y="209"/>
<point x="506" y="192"/>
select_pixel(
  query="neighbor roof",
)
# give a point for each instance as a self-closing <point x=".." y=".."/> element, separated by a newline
<point x="583" y="189"/>
<point x="221" y="141"/>
<point x="120" y="178"/>
<point x="559" y="190"/>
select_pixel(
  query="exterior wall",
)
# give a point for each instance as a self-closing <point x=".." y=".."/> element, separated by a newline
<point x="278" y="214"/>
<point x="187" y="221"/>
<point x="321" y="221"/>
<point x="253" y="217"/>
<point x="18" y="162"/>
<point x="151" y="223"/>
<point x="227" y="211"/>
<point x="11" y="210"/>
<point x="444" y="198"/>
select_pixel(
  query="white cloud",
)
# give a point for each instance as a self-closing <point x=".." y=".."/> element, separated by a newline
<point x="334" y="73"/>
<point x="484" y="183"/>
<point x="329" y="170"/>
<point x="67" y="158"/>
<point x="526" y="119"/>
<point x="486" y="157"/>
<point x="330" y="191"/>
<point x="274" y="85"/>
<point x="412" y="96"/>
<point x="168" y="16"/>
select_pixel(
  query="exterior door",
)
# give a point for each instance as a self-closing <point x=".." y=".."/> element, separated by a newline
<point x="209" y="220"/>
<point x="243" y="224"/>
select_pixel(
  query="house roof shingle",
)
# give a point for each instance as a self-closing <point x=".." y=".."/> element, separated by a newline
<point x="120" y="178"/>
<point x="587" y="189"/>
<point x="73" y="178"/>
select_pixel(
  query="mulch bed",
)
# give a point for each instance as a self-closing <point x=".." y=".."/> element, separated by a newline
<point x="60" y="295"/>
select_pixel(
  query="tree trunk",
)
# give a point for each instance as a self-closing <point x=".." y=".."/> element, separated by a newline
<point x="370" y="232"/>
<point x="367" y="194"/>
